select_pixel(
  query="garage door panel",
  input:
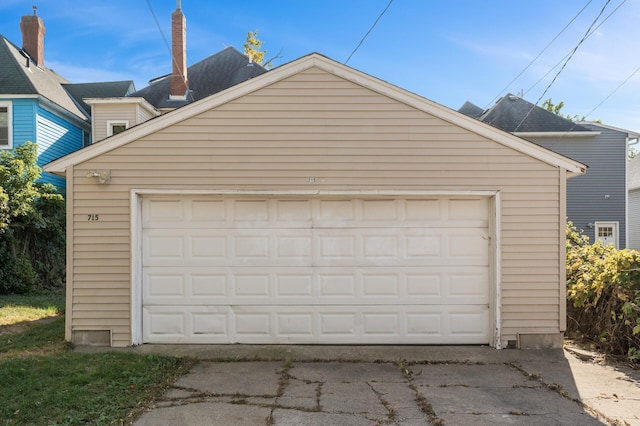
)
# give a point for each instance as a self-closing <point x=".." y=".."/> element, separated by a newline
<point x="317" y="270"/>
<point x="185" y="213"/>
<point x="343" y="285"/>
<point x="313" y="324"/>
<point x="316" y="247"/>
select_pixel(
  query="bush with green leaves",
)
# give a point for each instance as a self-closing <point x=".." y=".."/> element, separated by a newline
<point x="603" y="294"/>
<point x="32" y="225"/>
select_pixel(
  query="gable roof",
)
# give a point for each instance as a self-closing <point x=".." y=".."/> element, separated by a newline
<point x="106" y="89"/>
<point x="20" y="76"/>
<point x="515" y="115"/>
<point x="284" y="71"/>
<point x="211" y="75"/>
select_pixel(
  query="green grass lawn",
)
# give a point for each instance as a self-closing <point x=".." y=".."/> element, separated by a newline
<point x="44" y="382"/>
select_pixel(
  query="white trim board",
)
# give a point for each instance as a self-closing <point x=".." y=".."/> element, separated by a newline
<point x="315" y="60"/>
<point x="494" y="229"/>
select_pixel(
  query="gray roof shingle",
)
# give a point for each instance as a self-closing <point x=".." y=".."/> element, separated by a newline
<point x="513" y="114"/>
<point x="107" y="89"/>
<point x="19" y="76"/>
<point x="211" y="75"/>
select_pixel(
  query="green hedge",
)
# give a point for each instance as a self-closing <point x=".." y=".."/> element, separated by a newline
<point x="603" y="294"/>
<point x="32" y="226"/>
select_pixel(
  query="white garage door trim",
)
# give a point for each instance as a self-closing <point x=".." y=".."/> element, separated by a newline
<point x="137" y="252"/>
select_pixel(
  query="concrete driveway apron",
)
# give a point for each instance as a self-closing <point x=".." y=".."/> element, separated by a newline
<point x="368" y="386"/>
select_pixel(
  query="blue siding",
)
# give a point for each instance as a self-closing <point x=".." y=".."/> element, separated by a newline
<point x="600" y="194"/>
<point x="24" y="125"/>
<point x="56" y="138"/>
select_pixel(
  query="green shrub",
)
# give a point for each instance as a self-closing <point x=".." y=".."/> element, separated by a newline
<point x="603" y="294"/>
<point x="32" y="226"/>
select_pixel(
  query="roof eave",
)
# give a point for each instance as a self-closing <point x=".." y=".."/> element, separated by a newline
<point x="299" y="65"/>
<point x="630" y="133"/>
<point x="567" y="134"/>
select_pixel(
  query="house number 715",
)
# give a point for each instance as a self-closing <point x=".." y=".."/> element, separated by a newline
<point x="93" y="217"/>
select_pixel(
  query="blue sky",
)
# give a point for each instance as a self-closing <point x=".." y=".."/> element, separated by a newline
<point x="447" y="51"/>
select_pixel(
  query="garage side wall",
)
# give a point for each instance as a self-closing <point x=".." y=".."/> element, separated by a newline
<point x="315" y="130"/>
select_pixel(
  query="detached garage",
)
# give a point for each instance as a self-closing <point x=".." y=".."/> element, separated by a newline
<point x="315" y="204"/>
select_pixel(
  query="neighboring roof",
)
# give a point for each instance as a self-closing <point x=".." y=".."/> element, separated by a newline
<point x="105" y="89"/>
<point x="20" y="76"/>
<point x="211" y="75"/>
<point x="292" y="68"/>
<point x="515" y="115"/>
<point x="471" y="110"/>
<point x="593" y="124"/>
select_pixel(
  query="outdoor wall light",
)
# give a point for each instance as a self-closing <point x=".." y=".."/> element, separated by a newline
<point x="590" y="225"/>
<point x="103" y="176"/>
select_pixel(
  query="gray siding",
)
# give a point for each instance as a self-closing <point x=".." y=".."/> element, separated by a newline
<point x="587" y="201"/>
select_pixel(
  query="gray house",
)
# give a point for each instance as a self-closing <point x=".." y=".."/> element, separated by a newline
<point x="597" y="200"/>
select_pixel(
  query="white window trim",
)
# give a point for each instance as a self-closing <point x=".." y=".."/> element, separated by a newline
<point x="616" y="231"/>
<point x="9" y="106"/>
<point x="111" y="123"/>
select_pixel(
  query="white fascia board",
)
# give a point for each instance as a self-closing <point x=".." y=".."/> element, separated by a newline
<point x="447" y="114"/>
<point x="350" y="74"/>
<point x="123" y="100"/>
<point x="630" y="133"/>
<point x="177" y="116"/>
<point x="9" y="97"/>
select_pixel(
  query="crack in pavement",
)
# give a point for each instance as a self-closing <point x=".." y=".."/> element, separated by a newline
<point x="388" y="393"/>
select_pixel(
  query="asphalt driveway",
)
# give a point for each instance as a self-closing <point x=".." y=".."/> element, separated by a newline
<point x="412" y="385"/>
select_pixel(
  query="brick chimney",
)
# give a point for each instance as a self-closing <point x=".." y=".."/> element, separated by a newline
<point x="33" y="30"/>
<point x="179" y="82"/>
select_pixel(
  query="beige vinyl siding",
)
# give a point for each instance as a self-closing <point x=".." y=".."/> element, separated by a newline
<point x="143" y="114"/>
<point x="111" y="112"/>
<point x="347" y="137"/>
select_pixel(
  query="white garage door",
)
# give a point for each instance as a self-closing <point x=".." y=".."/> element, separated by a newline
<point x="321" y="270"/>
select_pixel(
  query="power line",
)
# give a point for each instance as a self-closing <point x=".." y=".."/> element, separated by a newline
<point x="155" y="18"/>
<point x="564" y="57"/>
<point x="539" y="54"/>
<point x="587" y="33"/>
<point x="575" y="49"/>
<point x="370" y="29"/>
<point x="614" y="91"/>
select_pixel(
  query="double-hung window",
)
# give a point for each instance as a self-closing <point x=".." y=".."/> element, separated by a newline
<point x="6" y="130"/>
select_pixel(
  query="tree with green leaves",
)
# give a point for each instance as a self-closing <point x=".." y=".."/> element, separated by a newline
<point x="556" y="109"/>
<point x="253" y="49"/>
<point x="32" y="225"/>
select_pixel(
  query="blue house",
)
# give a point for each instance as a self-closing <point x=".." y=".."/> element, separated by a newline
<point x="596" y="201"/>
<point x="38" y="105"/>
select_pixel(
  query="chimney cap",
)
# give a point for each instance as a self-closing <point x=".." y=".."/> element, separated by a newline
<point x="35" y="10"/>
<point x="178" y="5"/>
